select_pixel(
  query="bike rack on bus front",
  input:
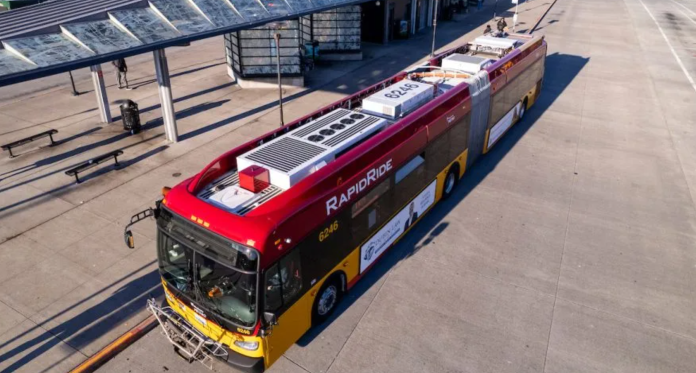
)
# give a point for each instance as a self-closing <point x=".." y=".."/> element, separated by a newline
<point x="189" y="343"/>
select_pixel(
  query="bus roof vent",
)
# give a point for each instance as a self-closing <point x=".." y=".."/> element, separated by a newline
<point x="295" y="155"/>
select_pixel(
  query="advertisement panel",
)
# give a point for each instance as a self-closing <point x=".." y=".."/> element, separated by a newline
<point x="386" y="236"/>
<point x="503" y="124"/>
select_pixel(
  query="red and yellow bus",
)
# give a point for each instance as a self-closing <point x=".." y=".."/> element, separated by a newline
<point x="264" y="242"/>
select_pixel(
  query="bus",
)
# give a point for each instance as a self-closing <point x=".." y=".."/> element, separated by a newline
<point x="265" y="241"/>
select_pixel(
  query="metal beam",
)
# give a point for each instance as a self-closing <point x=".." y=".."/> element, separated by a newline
<point x="165" y="93"/>
<point x="100" y="91"/>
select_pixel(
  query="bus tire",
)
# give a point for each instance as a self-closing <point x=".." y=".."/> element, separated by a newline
<point x="328" y="297"/>
<point x="523" y="110"/>
<point x="451" y="181"/>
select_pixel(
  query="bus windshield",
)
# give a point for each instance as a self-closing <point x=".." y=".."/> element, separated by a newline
<point x="204" y="271"/>
<point x="228" y="291"/>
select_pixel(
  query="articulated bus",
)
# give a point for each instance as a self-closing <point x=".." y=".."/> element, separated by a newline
<point x="264" y="242"/>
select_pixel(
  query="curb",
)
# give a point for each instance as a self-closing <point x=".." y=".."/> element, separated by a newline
<point x="531" y="30"/>
<point x="118" y="345"/>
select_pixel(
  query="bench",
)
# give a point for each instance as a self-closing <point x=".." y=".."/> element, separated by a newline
<point x="93" y="163"/>
<point x="29" y="139"/>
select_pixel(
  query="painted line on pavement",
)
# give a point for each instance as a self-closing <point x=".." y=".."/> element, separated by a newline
<point x="669" y="44"/>
<point x="687" y="16"/>
<point x="682" y="5"/>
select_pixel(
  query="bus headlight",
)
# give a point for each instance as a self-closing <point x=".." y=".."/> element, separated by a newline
<point x="251" y="346"/>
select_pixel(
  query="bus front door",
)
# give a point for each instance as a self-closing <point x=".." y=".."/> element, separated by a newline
<point x="291" y="325"/>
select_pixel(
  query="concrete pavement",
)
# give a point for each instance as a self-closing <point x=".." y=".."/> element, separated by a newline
<point x="568" y="248"/>
<point x="69" y="284"/>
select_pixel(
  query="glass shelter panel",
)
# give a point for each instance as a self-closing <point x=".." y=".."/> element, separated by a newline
<point x="277" y="8"/>
<point x="101" y="36"/>
<point x="220" y="12"/>
<point x="145" y="24"/>
<point x="182" y="15"/>
<point x="254" y="50"/>
<point x="48" y="49"/>
<point x="9" y="63"/>
<point x="251" y="10"/>
<point x="336" y="30"/>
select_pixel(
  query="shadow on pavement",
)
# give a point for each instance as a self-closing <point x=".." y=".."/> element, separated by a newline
<point x="563" y="68"/>
<point x="89" y="325"/>
<point x="79" y="150"/>
<point x="38" y="198"/>
<point x="182" y="98"/>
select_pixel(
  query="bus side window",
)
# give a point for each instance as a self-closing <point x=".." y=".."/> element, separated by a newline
<point x="409" y="180"/>
<point x="291" y="274"/>
<point x="438" y="154"/>
<point x="273" y="291"/>
<point x="371" y="210"/>
<point x="459" y="136"/>
<point x="283" y="281"/>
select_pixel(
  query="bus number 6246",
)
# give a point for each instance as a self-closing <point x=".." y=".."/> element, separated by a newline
<point x="333" y="227"/>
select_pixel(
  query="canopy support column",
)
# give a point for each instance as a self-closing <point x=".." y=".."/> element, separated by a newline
<point x="100" y="91"/>
<point x="165" y="93"/>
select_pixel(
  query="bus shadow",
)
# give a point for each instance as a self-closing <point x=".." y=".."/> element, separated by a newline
<point x="561" y="69"/>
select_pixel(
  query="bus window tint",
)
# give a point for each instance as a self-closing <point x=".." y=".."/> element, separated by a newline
<point x="372" y="218"/>
<point x="459" y="136"/>
<point x="283" y="281"/>
<point x="370" y="197"/>
<point x="438" y="155"/>
<point x="410" y="180"/>
<point x="227" y="291"/>
<point x="373" y="209"/>
<point x="174" y="263"/>
<point x="273" y="296"/>
<point x="291" y="275"/>
<point x="409" y="167"/>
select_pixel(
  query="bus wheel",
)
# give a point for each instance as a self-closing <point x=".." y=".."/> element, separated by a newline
<point x="450" y="181"/>
<point x="523" y="110"/>
<point x="327" y="299"/>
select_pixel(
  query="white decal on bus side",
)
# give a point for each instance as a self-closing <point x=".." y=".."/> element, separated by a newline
<point x="335" y="202"/>
<point x="502" y="125"/>
<point x="372" y="249"/>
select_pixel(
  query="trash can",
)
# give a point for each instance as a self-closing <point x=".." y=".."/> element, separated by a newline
<point x="130" y="116"/>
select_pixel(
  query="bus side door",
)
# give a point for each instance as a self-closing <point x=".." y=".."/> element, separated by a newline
<point x="283" y="286"/>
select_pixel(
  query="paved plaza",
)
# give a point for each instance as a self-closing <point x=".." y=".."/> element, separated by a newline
<point x="570" y="247"/>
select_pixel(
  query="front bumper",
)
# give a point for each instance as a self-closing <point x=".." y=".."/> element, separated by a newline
<point x="194" y="345"/>
<point x="243" y="363"/>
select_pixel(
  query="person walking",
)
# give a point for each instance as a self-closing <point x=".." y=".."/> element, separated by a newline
<point x="121" y="71"/>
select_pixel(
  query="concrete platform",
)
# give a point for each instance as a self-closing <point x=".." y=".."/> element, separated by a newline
<point x="568" y="248"/>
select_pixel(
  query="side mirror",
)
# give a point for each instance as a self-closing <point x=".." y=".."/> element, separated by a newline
<point x="128" y="237"/>
<point x="270" y="318"/>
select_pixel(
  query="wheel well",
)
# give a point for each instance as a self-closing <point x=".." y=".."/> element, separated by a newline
<point x="339" y="276"/>
<point x="455" y="167"/>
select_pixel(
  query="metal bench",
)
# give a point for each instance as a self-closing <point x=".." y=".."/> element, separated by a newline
<point x="29" y="139"/>
<point x="93" y="163"/>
